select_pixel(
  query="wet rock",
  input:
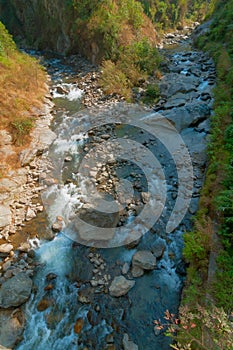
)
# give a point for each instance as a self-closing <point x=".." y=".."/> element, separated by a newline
<point x="24" y="247"/>
<point x="120" y="286"/>
<point x="43" y="305"/>
<point x="11" y="328"/>
<point x="5" y="216"/>
<point x="6" y="248"/>
<point x="144" y="259"/>
<point x="78" y="325"/>
<point x="15" y="291"/>
<point x="125" y="268"/>
<point x="61" y="90"/>
<point x="57" y="226"/>
<point x="51" y="276"/>
<point x="128" y="344"/>
<point x="145" y="197"/>
<point x="137" y="271"/>
<point x="159" y="248"/>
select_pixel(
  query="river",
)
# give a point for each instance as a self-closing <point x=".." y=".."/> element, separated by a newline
<point x="148" y="167"/>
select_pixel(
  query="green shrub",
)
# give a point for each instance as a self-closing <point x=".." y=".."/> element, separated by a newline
<point x="21" y="128"/>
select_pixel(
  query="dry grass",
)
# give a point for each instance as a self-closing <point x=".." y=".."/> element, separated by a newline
<point x="22" y="86"/>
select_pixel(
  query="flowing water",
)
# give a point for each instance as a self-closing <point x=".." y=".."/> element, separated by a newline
<point x="77" y="314"/>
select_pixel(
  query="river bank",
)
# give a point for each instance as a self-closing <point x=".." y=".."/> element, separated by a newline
<point x="186" y="101"/>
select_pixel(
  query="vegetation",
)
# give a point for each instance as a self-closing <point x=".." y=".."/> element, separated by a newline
<point x="208" y="328"/>
<point x="213" y="228"/>
<point x="166" y="14"/>
<point x="22" y="86"/>
<point x="124" y="39"/>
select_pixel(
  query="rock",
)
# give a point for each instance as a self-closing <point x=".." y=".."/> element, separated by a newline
<point x="95" y="225"/>
<point x="144" y="259"/>
<point x="57" y="226"/>
<point x="30" y="214"/>
<point x="145" y="197"/>
<point x="159" y="248"/>
<point x="128" y="344"/>
<point x="51" y="276"/>
<point x="6" y="265"/>
<point x="5" y="216"/>
<point x="3" y="348"/>
<point x="125" y="268"/>
<point x="15" y="291"/>
<point x="61" y="90"/>
<point x="68" y="159"/>
<point x="6" y="248"/>
<point x="5" y="138"/>
<point x="120" y="286"/>
<point x="24" y="247"/>
<point x="43" y="305"/>
<point x="11" y="328"/>
<point x="78" y="325"/>
<point x="137" y="271"/>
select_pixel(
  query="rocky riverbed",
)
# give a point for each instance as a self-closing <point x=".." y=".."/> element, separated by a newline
<point x="104" y="299"/>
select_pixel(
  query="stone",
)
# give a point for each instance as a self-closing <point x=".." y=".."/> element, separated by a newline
<point x="57" y="226"/>
<point x="125" y="268"/>
<point x="6" y="248"/>
<point x="137" y="271"/>
<point x="78" y="325"/>
<point x="145" y="197"/>
<point x="61" y="90"/>
<point x="15" y="291"/>
<point x="5" y="138"/>
<point x="5" y="216"/>
<point x="30" y="214"/>
<point x="159" y="248"/>
<point x="24" y="247"/>
<point x="51" y="276"/>
<point x="120" y="286"/>
<point x="95" y="225"/>
<point x="128" y="344"/>
<point x="11" y="328"/>
<point x="43" y="305"/>
<point x="144" y="259"/>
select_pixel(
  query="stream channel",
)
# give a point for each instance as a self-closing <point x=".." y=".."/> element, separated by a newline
<point x="136" y="160"/>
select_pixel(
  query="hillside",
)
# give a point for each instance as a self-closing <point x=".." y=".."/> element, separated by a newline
<point x="22" y="89"/>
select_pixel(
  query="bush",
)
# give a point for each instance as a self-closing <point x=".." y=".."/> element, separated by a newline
<point x="21" y="128"/>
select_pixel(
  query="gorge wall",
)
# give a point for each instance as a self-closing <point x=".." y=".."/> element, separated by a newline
<point x="44" y="24"/>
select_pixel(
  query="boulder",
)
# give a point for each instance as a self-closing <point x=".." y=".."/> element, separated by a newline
<point x="120" y="286"/>
<point x="15" y="291"/>
<point x="128" y="344"/>
<point x="5" y="216"/>
<point x="11" y="328"/>
<point x="6" y="248"/>
<point x="144" y="260"/>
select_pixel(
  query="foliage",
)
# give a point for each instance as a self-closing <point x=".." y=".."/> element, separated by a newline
<point x="22" y="86"/>
<point x="113" y="80"/>
<point x="166" y="14"/>
<point x="201" y="328"/>
<point x="21" y="128"/>
<point x="216" y="201"/>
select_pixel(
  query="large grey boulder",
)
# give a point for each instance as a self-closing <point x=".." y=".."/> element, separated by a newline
<point x="15" y="291"/>
<point x="189" y="115"/>
<point x="11" y="328"/>
<point x="144" y="260"/>
<point x="120" y="286"/>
